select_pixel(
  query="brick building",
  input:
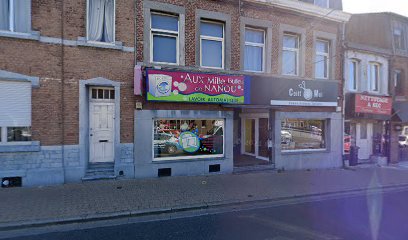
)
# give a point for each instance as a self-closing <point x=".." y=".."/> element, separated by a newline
<point x="138" y="88"/>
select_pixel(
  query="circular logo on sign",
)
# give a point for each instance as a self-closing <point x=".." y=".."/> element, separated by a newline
<point x="189" y="142"/>
<point x="163" y="87"/>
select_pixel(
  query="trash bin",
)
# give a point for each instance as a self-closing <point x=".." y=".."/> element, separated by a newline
<point x="353" y="155"/>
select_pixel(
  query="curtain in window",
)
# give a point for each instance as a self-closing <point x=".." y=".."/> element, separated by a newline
<point x="4" y="14"/>
<point x="22" y="16"/>
<point x="101" y="20"/>
<point x="253" y="58"/>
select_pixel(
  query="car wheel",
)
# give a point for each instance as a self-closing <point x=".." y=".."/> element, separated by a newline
<point x="171" y="149"/>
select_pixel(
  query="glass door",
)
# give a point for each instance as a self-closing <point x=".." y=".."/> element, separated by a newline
<point x="249" y="136"/>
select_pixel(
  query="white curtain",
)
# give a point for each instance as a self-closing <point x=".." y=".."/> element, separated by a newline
<point x="109" y="21"/>
<point x="101" y="20"/>
<point x="4" y="14"/>
<point x="22" y="16"/>
<point x="253" y="58"/>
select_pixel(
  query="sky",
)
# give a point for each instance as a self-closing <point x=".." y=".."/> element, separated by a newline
<point x="363" y="6"/>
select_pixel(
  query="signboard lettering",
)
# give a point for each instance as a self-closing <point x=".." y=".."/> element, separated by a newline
<point x="373" y="104"/>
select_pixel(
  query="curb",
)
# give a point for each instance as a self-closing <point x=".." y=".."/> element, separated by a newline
<point x="150" y="212"/>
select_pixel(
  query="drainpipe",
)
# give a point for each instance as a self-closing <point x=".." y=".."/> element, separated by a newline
<point x="135" y="31"/>
<point x="342" y="62"/>
<point x="62" y="91"/>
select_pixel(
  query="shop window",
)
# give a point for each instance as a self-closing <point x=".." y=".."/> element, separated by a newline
<point x="188" y="139"/>
<point x="165" y="38"/>
<point x="399" y="40"/>
<point x="353" y="67"/>
<point x="290" y="61"/>
<point x="307" y="135"/>
<point x="254" y="58"/>
<point x="212" y="44"/>
<point x="101" y="21"/>
<point x="18" y="134"/>
<point x="15" y="15"/>
<point x="322" y="3"/>
<point x="322" y="61"/>
<point x="374" y="76"/>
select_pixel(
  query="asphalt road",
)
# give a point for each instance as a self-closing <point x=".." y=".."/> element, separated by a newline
<point x="369" y="216"/>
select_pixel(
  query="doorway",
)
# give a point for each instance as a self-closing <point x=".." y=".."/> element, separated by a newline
<point x="255" y="135"/>
<point x="101" y="125"/>
<point x="364" y="140"/>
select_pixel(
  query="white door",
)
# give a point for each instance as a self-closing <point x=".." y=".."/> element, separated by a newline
<point x="364" y="140"/>
<point x="101" y="132"/>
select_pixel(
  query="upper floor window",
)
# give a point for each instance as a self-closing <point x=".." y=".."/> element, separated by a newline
<point x="101" y="21"/>
<point x="254" y="58"/>
<point x="322" y="61"/>
<point x="353" y="67"/>
<point x="398" y="82"/>
<point x="15" y="15"/>
<point x="322" y="3"/>
<point x="290" y="61"/>
<point x="399" y="39"/>
<point x="164" y="38"/>
<point x="374" y="76"/>
<point x="212" y="44"/>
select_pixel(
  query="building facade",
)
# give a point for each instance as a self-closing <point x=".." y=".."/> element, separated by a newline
<point x="136" y="88"/>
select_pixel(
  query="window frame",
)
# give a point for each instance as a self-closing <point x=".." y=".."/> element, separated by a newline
<point x="327" y="4"/>
<point x="327" y="55"/>
<point x="378" y="65"/>
<point x="356" y="74"/>
<point x="401" y="37"/>
<point x="165" y="33"/>
<point x="253" y="44"/>
<point x="114" y="26"/>
<point x="399" y="91"/>
<point x="193" y="157"/>
<point x="296" y="50"/>
<point x="211" y="38"/>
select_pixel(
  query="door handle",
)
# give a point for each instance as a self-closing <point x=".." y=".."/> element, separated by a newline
<point x="91" y="134"/>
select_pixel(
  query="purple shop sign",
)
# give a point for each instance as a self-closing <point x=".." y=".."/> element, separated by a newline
<point x="193" y="87"/>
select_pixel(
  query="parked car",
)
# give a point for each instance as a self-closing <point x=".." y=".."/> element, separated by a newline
<point x="286" y="137"/>
<point x="403" y="141"/>
<point x="166" y="143"/>
<point x="347" y="143"/>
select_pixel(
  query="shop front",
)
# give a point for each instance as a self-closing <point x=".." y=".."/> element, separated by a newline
<point x="290" y="124"/>
<point x="191" y="134"/>
<point x="367" y="126"/>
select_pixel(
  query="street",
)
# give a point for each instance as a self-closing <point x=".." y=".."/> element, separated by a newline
<point x="368" y="216"/>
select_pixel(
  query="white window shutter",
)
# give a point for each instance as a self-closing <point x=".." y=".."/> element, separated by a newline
<point x="15" y="104"/>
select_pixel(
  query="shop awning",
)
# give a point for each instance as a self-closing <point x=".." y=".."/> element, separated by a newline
<point x="401" y="110"/>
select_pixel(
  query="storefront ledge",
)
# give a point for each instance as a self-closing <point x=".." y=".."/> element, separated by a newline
<point x="304" y="152"/>
<point x="20" y="147"/>
<point x="188" y="160"/>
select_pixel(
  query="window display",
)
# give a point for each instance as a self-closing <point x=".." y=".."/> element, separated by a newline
<point x="303" y="134"/>
<point x="188" y="139"/>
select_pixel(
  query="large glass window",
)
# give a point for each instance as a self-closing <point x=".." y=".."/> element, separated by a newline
<point x="212" y="44"/>
<point x="188" y="139"/>
<point x="374" y="76"/>
<point x="15" y="15"/>
<point x="322" y="3"/>
<point x="353" y="74"/>
<point x="322" y="61"/>
<point x="254" y="56"/>
<point x="18" y="134"/>
<point x="290" y="62"/>
<point x="101" y="21"/>
<point x="303" y="134"/>
<point x="399" y="39"/>
<point x="165" y="37"/>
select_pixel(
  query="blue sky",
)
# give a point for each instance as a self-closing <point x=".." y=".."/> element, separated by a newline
<point x="363" y="6"/>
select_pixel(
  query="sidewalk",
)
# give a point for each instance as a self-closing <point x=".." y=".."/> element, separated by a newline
<point x="105" y="199"/>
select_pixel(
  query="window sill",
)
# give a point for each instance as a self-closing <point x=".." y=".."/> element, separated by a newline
<point x="10" y="147"/>
<point x="27" y="36"/>
<point x="304" y="151"/>
<point x="191" y="160"/>
<point x="85" y="43"/>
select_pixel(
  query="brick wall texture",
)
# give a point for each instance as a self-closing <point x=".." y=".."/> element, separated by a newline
<point x="60" y="68"/>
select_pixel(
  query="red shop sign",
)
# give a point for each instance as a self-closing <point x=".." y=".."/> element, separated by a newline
<point x="373" y="104"/>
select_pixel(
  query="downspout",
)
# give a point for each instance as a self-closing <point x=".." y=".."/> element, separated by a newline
<point x="135" y="31"/>
<point x="343" y="111"/>
<point x="62" y="92"/>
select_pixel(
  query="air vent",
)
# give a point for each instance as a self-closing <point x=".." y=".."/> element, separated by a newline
<point x="10" y="182"/>
<point x="164" y="172"/>
<point x="214" y="168"/>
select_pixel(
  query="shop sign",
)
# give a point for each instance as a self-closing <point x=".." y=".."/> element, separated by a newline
<point x="293" y="92"/>
<point x="193" y="87"/>
<point x="373" y="104"/>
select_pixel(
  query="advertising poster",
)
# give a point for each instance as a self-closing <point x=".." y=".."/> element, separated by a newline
<point x="192" y="87"/>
